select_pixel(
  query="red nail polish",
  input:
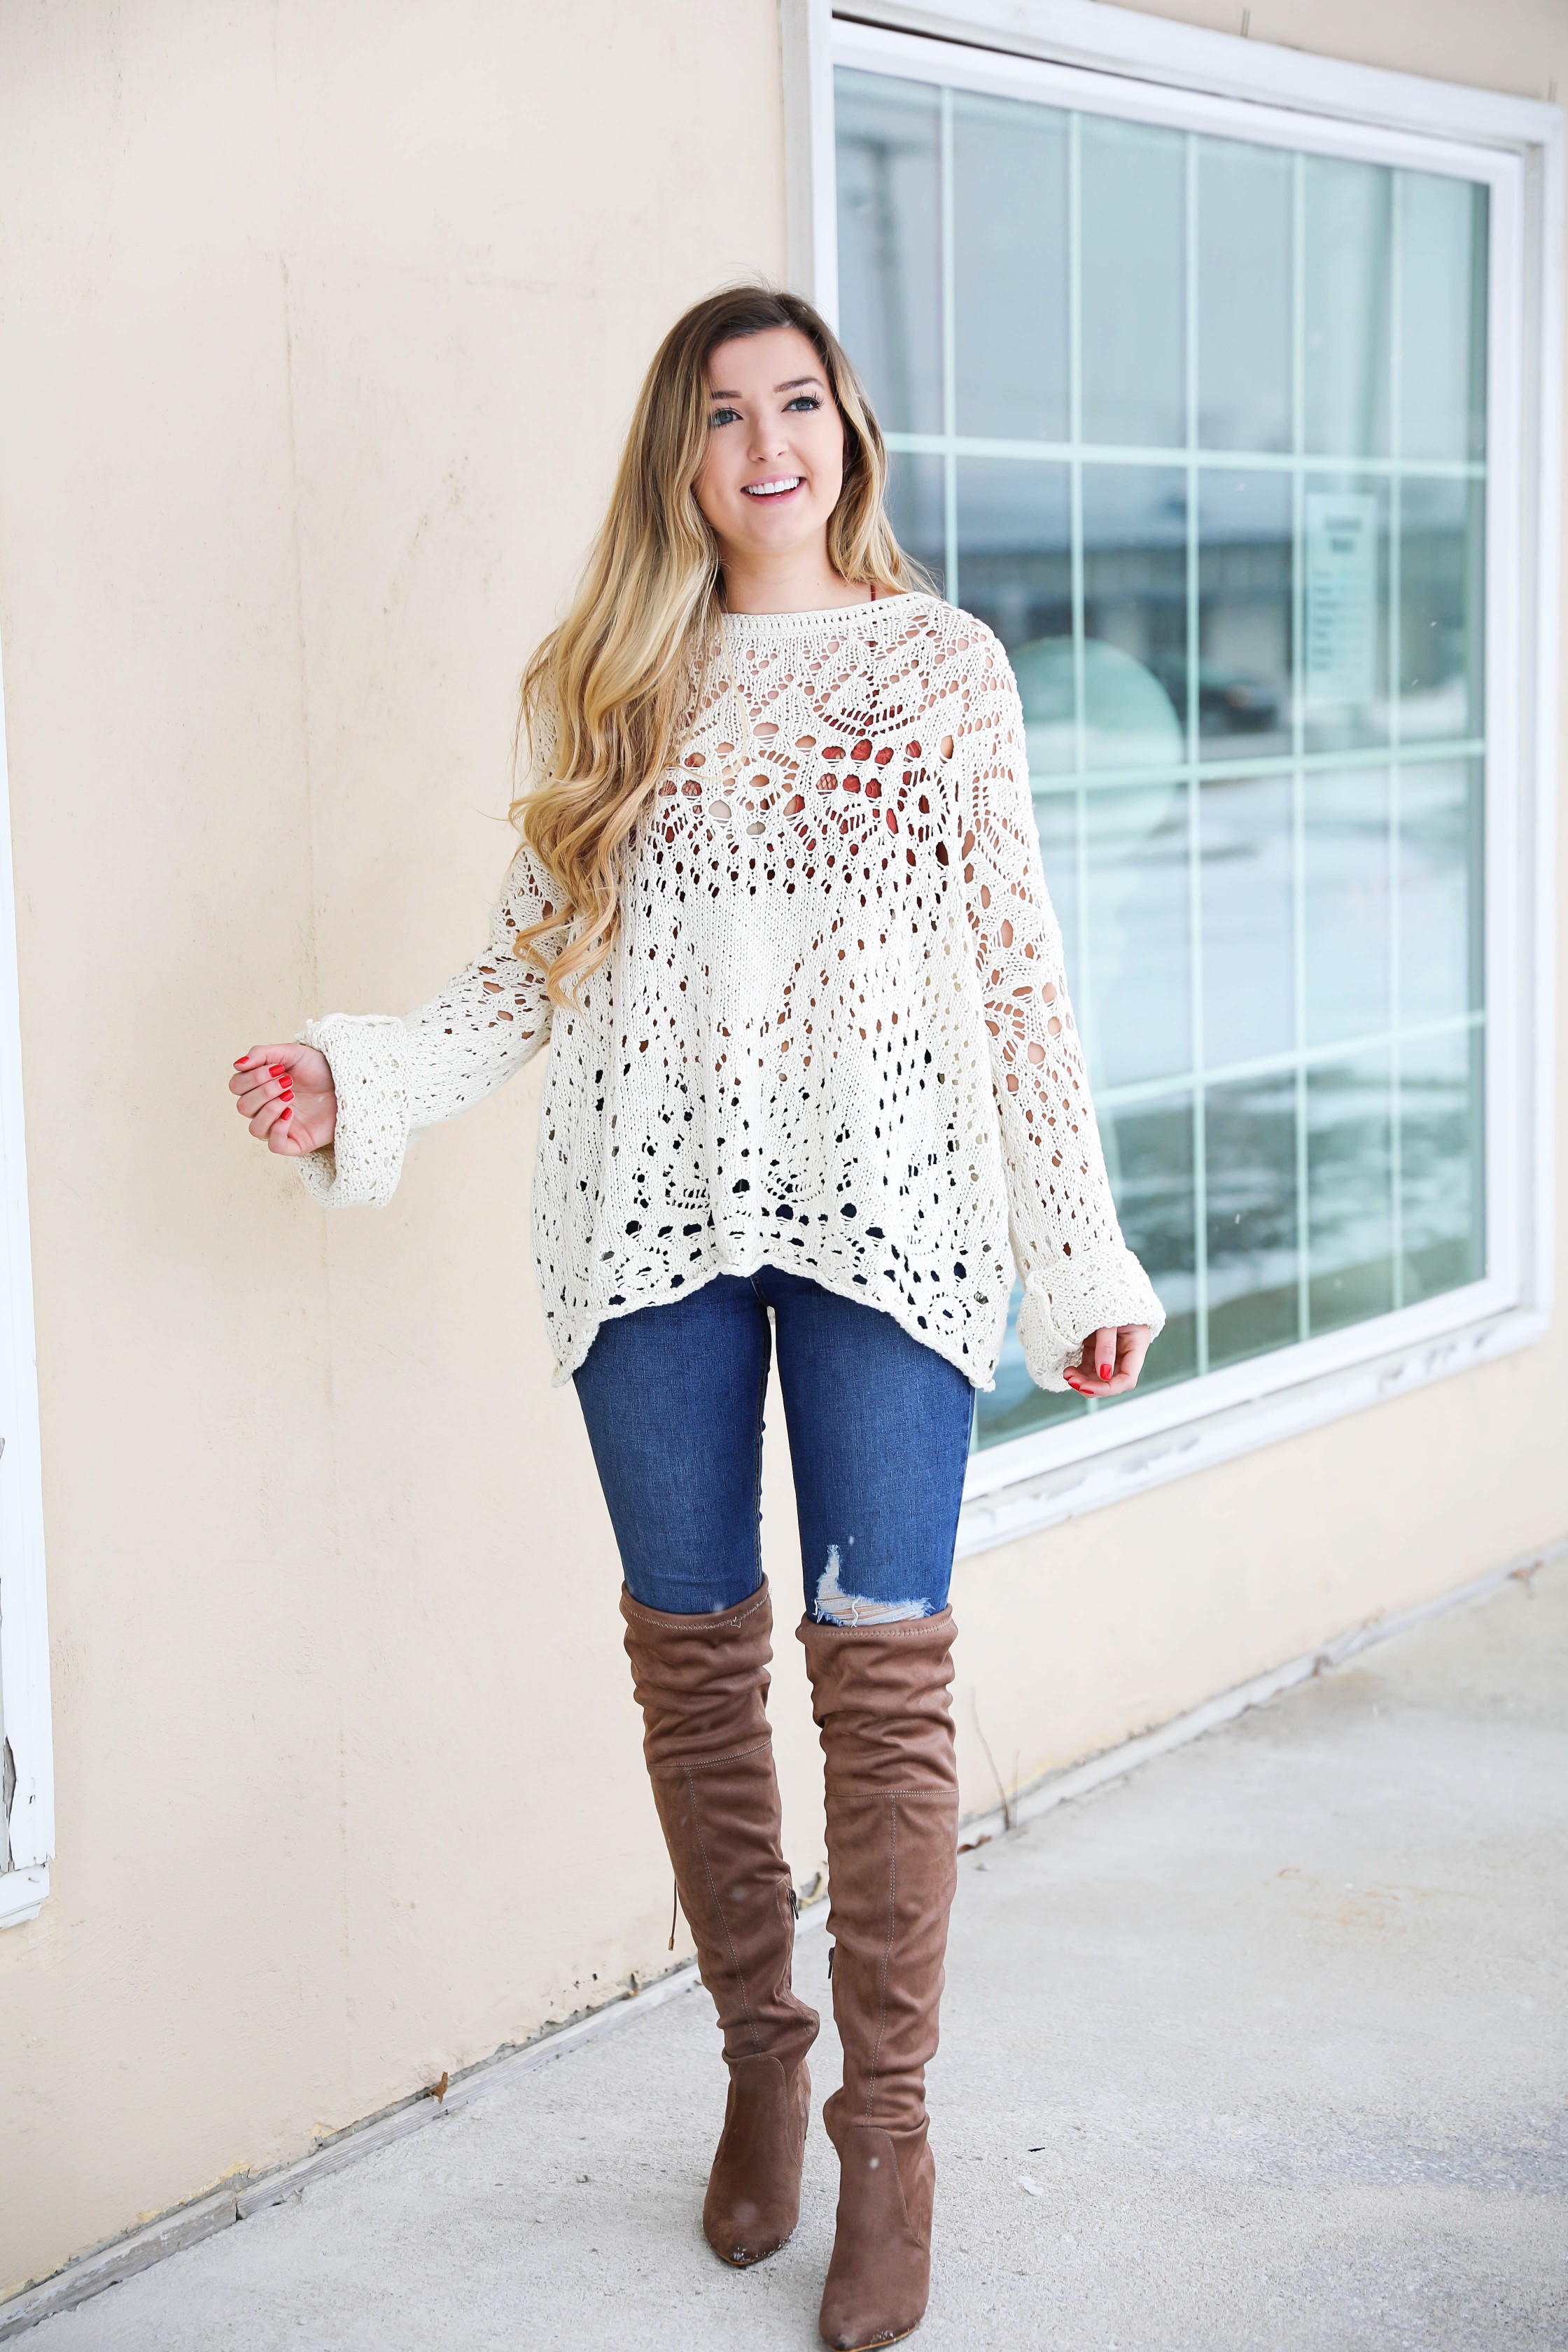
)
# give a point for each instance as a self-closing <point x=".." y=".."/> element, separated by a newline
<point x="242" y="1061"/>
<point x="1105" y="1371"/>
<point x="276" y="1069"/>
<point x="283" y="1115"/>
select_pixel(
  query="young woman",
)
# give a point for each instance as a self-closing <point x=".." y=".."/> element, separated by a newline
<point x="779" y="910"/>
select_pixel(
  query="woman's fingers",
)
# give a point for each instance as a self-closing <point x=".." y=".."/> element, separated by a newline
<point x="256" y="1058"/>
<point x="306" y="1066"/>
<point x="260" y="1075"/>
<point x="1134" y="1346"/>
<point x="286" y="1096"/>
<point x="290" y="1136"/>
<point x="1091" y="1375"/>
<point x="278" y="1109"/>
<point x="1122" y="1348"/>
<point x="257" y="1087"/>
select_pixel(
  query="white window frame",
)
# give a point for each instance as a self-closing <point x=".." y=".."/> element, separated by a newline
<point x="1112" y="61"/>
<point x="24" y="1617"/>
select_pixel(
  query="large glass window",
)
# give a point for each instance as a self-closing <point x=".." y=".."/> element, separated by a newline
<point x="1199" y="428"/>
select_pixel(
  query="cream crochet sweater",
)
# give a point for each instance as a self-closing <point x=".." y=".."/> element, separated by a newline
<point x="833" y="1034"/>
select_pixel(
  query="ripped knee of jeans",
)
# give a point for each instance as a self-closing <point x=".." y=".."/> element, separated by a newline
<point x="834" y="1606"/>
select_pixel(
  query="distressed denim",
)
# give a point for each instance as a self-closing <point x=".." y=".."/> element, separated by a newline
<point x="879" y="1435"/>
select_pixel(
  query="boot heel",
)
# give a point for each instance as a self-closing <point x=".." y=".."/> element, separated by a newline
<point x="753" y="2191"/>
<point x="879" y="1695"/>
<point x="878" y="2281"/>
<point x="702" y="1683"/>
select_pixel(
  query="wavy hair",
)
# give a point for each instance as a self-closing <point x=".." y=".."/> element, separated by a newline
<point x="607" y="697"/>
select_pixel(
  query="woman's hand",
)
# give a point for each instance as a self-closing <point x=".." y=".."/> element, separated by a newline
<point x="1110" y="1361"/>
<point x="286" y="1093"/>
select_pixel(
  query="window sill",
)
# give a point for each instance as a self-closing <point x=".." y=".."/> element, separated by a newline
<point x="1017" y="1505"/>
<point x="23" y="1893"/>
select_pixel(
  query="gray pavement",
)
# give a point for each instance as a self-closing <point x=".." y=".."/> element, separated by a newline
<point x="1261" y="2046"/>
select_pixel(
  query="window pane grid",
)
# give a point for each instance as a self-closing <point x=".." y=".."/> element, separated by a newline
<point x="1194" y="790"/>
<point x="1308" y="763"/>
<point x="1298" y="712"/>
<point x="1305" y="1058"/>
<point x="1102" y="453"/>
<point x="1283" y="499"/>
<point x="1395" y="672"/>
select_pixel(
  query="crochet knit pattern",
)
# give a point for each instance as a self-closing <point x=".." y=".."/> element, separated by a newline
<point x="833" y="1034"/>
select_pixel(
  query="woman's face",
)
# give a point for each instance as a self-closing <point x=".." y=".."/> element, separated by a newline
<point x="774" y="463"/>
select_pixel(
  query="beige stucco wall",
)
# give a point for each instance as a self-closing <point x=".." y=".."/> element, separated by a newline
<point x="318" y="323"/>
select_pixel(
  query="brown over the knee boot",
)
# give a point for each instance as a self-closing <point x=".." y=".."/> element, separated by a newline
<point x="879" y="1696"/>
<point x="702" y="1683"/>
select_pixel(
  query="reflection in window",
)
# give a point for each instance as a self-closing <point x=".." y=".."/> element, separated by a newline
<point x="1231" y="533"/>
<point x="1016" y="536"/>
<point x="1345" y="596"/>
<point x="1440" y="1198"/>
<point x="1134" y="191"/>
<point x="1133" y="1003"/>
<point x="1347" y="348"/>
<point x="889" y="243"/>
<point x="1244" y="296"/>
<point x="1253" y="1225"/>
<point x="1347" y="904"/>
<point x="1247" y="837"/>
<point x="1010" y="285"/>
<point x="1439" y="856"/>
<point x="1441" y="548"/>
<point x="1245" y="614"/>
<point x="1136" y="586"/>
<point x="1442" y="317"/>
<point x="1350" y="1194"/>
<point x="916" y="505"/>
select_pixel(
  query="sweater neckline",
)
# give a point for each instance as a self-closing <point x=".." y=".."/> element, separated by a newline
<point x="757" y="628"/>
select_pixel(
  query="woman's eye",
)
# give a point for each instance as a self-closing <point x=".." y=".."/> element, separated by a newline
<point x="723" y="417"/>
<point x="804" y="400"/>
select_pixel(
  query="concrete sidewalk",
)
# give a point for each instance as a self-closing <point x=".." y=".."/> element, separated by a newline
<point x="1263" y="2046"/>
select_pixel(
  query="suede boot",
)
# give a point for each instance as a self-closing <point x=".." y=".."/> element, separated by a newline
<point x="702" y="1683"/>
<point x="879" y="1696"/>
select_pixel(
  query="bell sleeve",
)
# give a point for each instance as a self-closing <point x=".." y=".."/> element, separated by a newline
<point x="1078" y="1276"/>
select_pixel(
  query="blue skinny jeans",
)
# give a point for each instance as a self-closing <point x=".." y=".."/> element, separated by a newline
<point x="879" y="1435"/>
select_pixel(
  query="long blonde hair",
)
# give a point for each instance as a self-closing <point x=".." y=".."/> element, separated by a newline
<point x="606" y="696"/>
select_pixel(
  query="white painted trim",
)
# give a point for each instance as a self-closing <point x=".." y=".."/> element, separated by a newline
<point x="24" y="1616"/>
<point x="805" y="30"/>
<point x="187" y="2225"/>
<point x="1111" y="60"/>
<point x="1039" y="1498"/>
<point x="1542" y="375"/>
<point x="1261" y="1380"/>
<point x="1116" y="40"/>
<point x="23" y="1893"/>
<point x="873" y="50"/>
<point x="1505" y="883"/>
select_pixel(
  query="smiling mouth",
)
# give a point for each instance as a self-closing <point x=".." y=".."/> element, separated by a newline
<point x="778" y="486"/>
